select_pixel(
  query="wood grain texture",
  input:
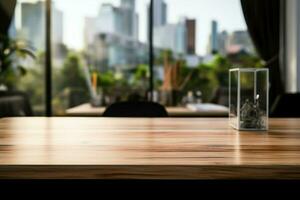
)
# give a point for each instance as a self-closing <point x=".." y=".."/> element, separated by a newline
<point x="139" y="148"/>
<point x="87" y="110"/>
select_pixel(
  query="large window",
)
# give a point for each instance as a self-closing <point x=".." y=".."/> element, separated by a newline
<point x="196" y="42"/>
<point x="27" y="34"/>
<point x="100" y="51"/>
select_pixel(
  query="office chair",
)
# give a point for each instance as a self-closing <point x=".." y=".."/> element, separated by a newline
<point x="286" y="105"/>
<point x="135" y="109"/>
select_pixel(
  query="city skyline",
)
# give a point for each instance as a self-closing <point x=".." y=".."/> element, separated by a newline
<point x="74" y="17"/>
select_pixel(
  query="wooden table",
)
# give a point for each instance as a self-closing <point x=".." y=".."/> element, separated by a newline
<point x="140" y="148"/>
<point x="87" y="110"/>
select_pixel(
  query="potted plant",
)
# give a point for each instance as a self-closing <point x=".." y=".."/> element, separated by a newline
<point x="13" y="53"/>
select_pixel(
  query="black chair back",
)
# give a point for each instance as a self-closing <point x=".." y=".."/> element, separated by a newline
<point x="135" y="109"/>
<point x="286" y="105"/>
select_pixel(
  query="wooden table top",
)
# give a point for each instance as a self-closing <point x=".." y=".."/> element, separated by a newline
<point x="140" y="148"/>
<point x="88" y="110"/>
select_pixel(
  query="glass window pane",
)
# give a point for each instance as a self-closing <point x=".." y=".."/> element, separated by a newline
<point x="196" y="43"/>
<point x="100" y="52"/>
<point x="27" y="38"/>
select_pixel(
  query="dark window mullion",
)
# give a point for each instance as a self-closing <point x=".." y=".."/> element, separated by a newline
<point x="48" y="61"/>
<point x="151" y="49"/>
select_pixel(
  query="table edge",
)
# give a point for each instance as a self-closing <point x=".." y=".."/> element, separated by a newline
<point x="165" y="172"/>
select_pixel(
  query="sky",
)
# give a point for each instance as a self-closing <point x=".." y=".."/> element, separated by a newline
<point x="228" y="13"/>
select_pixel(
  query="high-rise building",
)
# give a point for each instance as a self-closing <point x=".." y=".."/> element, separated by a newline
<point x="128" y="4"/>
<point x="214" y="37"/>
<point x="160" y="13"/>
<point x="171" y="37"/>
<point x="121" y="21"/>
<point x="107" y="20"/>
<point x="90" y="30"/>
<point x="129" y="18"/>
<point x="112" y="35"/>
<point x="190" y="36"/>
<point x="57" y="26"/>
<point x="33" y="24"/>
<point x="179" y="38"/>
<point x="223" y="42"/>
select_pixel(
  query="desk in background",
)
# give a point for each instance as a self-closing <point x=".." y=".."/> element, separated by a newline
<point x="87" y="110"/>
<point x="140" y="148"/>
